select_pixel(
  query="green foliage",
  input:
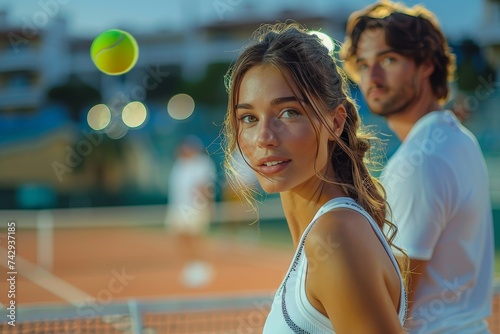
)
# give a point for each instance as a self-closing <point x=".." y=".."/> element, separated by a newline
<point x="471" y="67"/>
<point x="210" y="89"/>
<point x="168" y="86"/>
<point x="74" y="94"/>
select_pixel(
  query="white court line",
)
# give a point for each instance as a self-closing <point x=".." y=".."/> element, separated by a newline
<point x="53" y="284"/>
<point x="47" y="280"/>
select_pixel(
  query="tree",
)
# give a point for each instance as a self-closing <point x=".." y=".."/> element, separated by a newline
<point x="471" y="66"/>
<point x="75" y="95"/>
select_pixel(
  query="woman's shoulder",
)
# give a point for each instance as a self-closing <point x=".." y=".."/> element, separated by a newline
<point x="342" y="225"/>
<point x="343" y="234"/>
<point x="343" y="254"/>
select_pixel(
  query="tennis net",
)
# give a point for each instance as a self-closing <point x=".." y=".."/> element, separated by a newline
<point x="222" y="315"/>
<point x="242" y="314"/>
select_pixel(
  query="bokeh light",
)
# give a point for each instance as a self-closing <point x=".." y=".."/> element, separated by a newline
<point x="180" y="106"/>
<point x="99" y="117"/>
<point x="134" y="114"/>
<point x="325" y="39"/>
<point x="116" y="129"/>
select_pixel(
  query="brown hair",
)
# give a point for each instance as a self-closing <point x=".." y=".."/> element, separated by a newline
<point x="412" y="32"/>
<point x="301" y="56"/>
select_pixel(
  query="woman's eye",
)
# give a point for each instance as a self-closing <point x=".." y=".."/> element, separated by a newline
<point x="247" y="118"/>
<point x="290" y="113"/>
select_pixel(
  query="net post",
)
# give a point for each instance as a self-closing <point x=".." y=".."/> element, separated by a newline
<point x="45" y="240"/>
<point x="135" y="316"/>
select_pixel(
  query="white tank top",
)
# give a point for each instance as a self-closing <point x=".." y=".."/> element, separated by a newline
<point x="291" y="311"/>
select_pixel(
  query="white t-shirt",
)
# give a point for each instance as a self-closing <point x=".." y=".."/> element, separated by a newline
<point x="437" y="188"/>
<point x="291" y="311"/>
<point x="190" y="193"/>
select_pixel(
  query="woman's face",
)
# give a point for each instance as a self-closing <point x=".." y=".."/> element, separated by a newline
<point x="275" y="133"/>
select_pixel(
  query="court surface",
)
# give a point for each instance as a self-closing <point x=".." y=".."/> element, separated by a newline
<point x="108" y="265"/>
<point x="113" y="264"/>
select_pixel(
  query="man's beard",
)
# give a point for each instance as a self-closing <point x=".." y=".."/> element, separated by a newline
<point x="395" y="104"/>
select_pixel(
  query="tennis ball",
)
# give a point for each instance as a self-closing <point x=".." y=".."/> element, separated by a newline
<point x="114" y="52"/>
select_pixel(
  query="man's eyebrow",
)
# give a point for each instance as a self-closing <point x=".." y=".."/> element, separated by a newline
<point x="276" y="101"/>
<point x="381" y="53"/>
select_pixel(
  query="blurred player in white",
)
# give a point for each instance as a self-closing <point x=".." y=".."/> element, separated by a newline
<point x="190" y="205"/>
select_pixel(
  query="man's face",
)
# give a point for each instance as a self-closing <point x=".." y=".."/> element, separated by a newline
<point x="391" y="83"/>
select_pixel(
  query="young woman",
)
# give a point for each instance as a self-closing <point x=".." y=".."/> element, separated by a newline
<point x="291" y="118"/>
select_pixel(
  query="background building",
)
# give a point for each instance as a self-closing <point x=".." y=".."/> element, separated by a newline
<point x="51" y="157"/>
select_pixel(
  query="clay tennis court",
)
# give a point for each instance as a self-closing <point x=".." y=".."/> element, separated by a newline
<point x="99" y="260"/>
<point x="101" y="267"/>
<point x="143" y="264"/>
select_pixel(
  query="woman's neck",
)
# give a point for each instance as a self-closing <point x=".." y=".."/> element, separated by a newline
<point x="300" y="210"/>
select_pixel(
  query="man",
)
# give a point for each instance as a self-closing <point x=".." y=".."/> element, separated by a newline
<point x="436" y="182"/>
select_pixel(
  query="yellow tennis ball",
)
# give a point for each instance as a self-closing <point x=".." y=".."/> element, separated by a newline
<point x="114" y="52"/>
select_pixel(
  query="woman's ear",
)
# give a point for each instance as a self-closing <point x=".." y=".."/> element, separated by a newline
<point x="338" y="120"/>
